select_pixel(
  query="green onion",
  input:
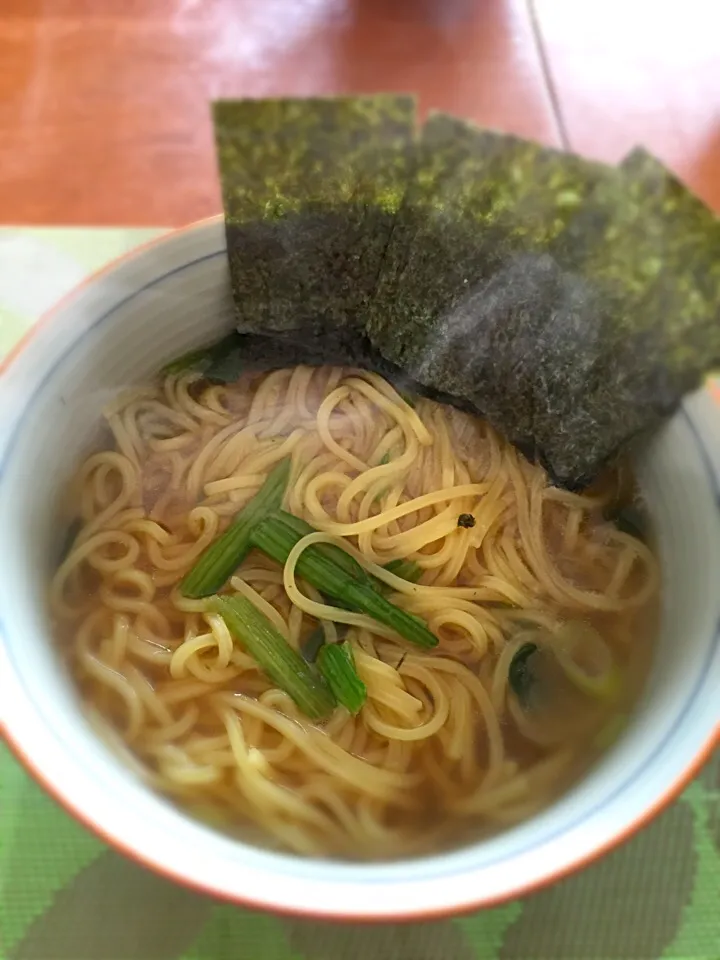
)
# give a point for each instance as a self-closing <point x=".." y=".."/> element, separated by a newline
<point x="611" y="732"/>
<point x="520" y="675"/>
<point x="203" y="358"/>
<point x="310" y="646"/>
<point x="405" y="569"/>
<point x="283" y="665"/>
<point x="228" y="365"/>
<point x="338" y="556"/>
<point x="69" y="539"/>
<point x="194" y="360"/>
<point x="587" y="660"/>
<point x="579" y="651"/>
<point x="277" y="535"/>
<point x="630" y="520"/>
<point x="227" y="552"/>
<point x="337" y="664"/>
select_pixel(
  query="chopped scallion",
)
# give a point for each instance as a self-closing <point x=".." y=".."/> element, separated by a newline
<point x="202" y="359"/>
<point x="274" y="655"/>
<point x="338" y="556"/>
<point x="227" y="552"/>
<point x="310" y="646"/>
<point x="405" y="569"/>
<point x="630" y="520"/>
<point x="276" y="536"/>
<point x="337" y="665"/>
<point x="520" y="674"/>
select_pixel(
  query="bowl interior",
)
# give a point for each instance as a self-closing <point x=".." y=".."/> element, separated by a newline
<point x="120" y="329"/>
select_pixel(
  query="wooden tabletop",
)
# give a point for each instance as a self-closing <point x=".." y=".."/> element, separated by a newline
<point x="104" y="103"/>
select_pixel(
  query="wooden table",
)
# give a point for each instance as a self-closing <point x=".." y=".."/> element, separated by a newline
<point x="104" y="103"/>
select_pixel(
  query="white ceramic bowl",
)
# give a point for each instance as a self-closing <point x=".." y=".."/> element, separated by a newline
<point x="120" y="327"/>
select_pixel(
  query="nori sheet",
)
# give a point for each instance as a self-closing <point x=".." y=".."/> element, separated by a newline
<point x="476" y="198"/>
<point x="570" y="303"/>
<point x="435" y="239"/>
<point x="648" y="251"/>
<point x="310" y="191"/>
<point x="655" y="248"/>
<point x="479" y="313"/>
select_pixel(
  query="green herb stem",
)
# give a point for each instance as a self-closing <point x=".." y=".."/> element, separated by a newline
<point x="311" y="645"/>
<point x="405" y="569"/>
<point x="520" y="675"/>
<point x="203" y="358"/>
<point x="337" y="665"/>
<point x="283" y="665"/>
<point x="276" y="536"/>
<point x="194" y="360"/>
<point x="337" y="555"/>
<point x="225" y="554"/>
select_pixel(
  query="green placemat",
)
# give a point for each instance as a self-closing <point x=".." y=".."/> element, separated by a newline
<point x="66" y="896"/>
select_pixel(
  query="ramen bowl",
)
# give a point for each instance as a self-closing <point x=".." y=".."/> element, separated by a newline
<point x="119" y="328"/>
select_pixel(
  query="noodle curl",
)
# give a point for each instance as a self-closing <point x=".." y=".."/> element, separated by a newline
<point x="443" y="749"/>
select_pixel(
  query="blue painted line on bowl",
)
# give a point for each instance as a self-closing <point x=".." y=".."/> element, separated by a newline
<point x="92" y="328"/>
<point x="632" y="778"/>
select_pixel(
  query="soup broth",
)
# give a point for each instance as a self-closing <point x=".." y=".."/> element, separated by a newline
<point x="544" y="612"/>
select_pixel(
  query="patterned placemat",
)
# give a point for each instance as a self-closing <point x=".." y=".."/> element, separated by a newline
<point x="65" y="896"/>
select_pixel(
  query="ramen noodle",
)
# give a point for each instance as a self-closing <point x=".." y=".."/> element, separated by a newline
<point x="544" y="612"/>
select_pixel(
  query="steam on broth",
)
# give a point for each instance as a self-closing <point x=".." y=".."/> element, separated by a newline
<point x="382" y="745"/>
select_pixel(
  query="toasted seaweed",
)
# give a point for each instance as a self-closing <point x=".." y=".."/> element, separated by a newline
<point x="590" y="311"/>
<point x="482" y="314"/>
<point x="310" y="190"/>
<point x="656" y="249"/>
<point x="476" y="198"/>
<point x="648" y="252"/>
<point x="436" y="238"/>
<point x="570" y="303"/>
